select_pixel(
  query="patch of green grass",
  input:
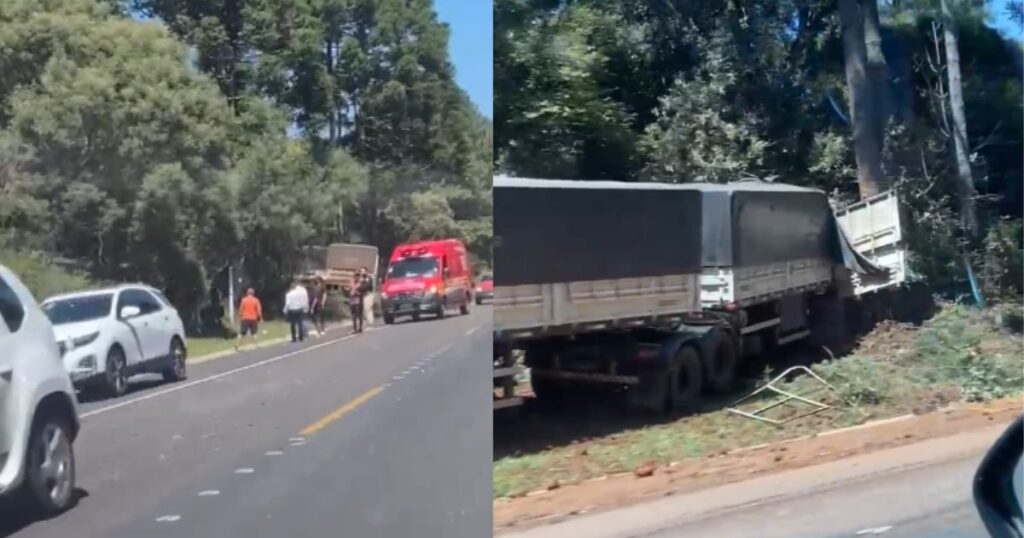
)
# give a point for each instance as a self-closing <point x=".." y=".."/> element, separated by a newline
<point x="269" y="330"/>
<point x="514" y="476"/>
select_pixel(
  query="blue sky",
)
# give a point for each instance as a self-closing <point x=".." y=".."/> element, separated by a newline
<point x="1001" y="22"/>
<point x="470" y="47"/>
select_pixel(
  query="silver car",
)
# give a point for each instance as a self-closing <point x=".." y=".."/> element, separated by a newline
<point x="38" y="409"/>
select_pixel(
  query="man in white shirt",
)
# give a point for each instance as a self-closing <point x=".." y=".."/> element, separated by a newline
<point x="296" y="306"/>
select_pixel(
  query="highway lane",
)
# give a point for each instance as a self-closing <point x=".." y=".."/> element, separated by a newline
<point x="383" y="434"/>
<point x="929" y="502"/>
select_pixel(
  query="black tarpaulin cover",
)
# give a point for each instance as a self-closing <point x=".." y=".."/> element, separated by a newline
<point x="562" y="231"/>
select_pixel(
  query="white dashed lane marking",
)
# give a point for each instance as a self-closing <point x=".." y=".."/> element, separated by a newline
<point x="273" y="453"/>
<point x="168" y="518"/>
<point x="874" y="530"/>
<point x="209" y="493"/>
<point x="245" y="470"/>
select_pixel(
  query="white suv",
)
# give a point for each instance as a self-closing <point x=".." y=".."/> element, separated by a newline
<point x="106" y="336"/>
<point x="38" y="410"/>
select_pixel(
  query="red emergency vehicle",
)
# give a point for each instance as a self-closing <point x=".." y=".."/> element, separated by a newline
<point x="429" y="277"/>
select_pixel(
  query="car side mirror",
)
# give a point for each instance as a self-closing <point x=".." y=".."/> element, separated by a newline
<point x="998" y="483"/>
<point x="130" y="312"/>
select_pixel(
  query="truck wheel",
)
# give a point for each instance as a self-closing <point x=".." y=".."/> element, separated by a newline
<point x="464" y="309"/>
<point x="547" y="391"/>
<point x="686" y="380"/>
<point x="719" y="363"/>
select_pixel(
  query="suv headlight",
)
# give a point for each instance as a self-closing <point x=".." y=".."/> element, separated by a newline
<point x="88" y="362"/>
<point x="85" y="339"/>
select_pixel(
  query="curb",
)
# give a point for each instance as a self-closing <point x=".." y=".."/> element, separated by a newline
<point x="252" y="347"/>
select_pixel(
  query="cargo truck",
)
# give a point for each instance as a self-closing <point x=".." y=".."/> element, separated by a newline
<point x="662" y="289"/>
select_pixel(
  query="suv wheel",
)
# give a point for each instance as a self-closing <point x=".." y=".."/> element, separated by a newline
<point x="50" y="476"/>
<point x="176" y="371"/>
<point x="116" y="374"/>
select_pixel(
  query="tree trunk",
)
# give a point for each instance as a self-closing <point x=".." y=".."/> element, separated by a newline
<point x="878" y="71"/>
<point x="866" y="143"/>
<point x="965" y="183"/>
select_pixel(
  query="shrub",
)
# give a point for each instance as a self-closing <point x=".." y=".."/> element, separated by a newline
<point x="42" y="275"/>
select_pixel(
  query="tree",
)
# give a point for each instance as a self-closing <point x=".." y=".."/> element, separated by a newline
<point x="124" y="146"/>
<point x="862" y="84"/>
<point x="965" y="182"/>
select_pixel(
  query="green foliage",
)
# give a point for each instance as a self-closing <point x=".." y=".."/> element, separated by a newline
<point x="959" y="354"/>
<point x="145" y="158"/>
<point x="954" y="352"/>
<point x="1003" y="271"/>
<point x="41" y="275"/>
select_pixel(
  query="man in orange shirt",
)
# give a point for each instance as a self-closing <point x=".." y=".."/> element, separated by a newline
<point x="250" y="312"/>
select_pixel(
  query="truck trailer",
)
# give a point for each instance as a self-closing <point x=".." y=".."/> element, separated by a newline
<point x="661" y="289"/>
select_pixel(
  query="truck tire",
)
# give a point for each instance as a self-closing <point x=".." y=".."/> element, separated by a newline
<point x="686" y="380"/>
<point x="548" y="392"/>
<point x="720" y="361"/>
<point x="464" y="309"/>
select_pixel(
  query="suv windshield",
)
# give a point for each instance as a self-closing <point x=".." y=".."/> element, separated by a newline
<point x="76" y="309"/>
<point x="413" y="267"/>
<point x="486" y="278"/>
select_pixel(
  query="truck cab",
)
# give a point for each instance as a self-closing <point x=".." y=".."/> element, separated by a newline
<point x="429" y="277"/>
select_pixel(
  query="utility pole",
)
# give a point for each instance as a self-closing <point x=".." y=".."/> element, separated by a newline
<point x="231" y="295"/>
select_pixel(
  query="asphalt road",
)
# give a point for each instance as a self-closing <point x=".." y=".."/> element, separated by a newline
<point x="930" y="502"/>
<point x="383" y="434"/>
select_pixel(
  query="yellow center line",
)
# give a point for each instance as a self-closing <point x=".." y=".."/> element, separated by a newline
<point x="341" y="411"/>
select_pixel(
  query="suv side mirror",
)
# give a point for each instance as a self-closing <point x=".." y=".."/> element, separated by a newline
<point x="130" y="311"/>
<point x="997" y="484"/>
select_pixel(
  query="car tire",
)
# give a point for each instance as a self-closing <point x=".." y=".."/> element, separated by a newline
<point x="177" y="370"/>
<point x="442" y="311"/>
<point x="115" y="375"/>
<point x="49" y="485"/>
<point x="479" y="301"/>
<point x="388" y="319"/>
<point x="464" y="309"/>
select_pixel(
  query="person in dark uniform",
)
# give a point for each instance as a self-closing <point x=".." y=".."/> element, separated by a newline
<point x="357" y="291"/>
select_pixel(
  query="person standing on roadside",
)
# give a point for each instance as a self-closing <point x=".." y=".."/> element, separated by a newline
<point x="250" y="312"/>
<point x="367" y="297"/>
<point x="356" y="292"/>
<point x="296" y="306"/>
<point x="316" y="307"/>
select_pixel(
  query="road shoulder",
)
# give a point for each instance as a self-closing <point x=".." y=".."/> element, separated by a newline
<point x="695" y="488"/>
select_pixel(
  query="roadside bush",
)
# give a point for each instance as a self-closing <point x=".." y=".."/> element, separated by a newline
<point x="1003" y="272"/>
<point x="862" y="380"/>
<point x="42" y="275"/>
<point x="953" y="351"/>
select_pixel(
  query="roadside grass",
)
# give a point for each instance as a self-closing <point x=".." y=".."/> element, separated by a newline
<point x="959" y="355"/>
<point x="200" y="346"/>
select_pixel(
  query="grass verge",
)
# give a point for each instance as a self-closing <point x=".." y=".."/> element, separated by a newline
<point x="199" y="347"/>
<point x="959" y="355"/>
